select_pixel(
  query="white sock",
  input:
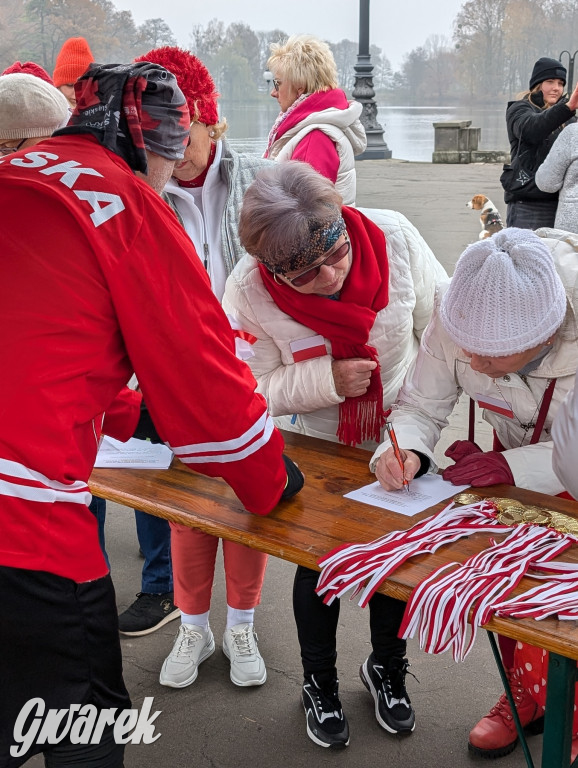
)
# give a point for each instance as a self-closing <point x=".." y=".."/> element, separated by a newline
<point x="198" y="619"/>
<point x="237" y="616"/>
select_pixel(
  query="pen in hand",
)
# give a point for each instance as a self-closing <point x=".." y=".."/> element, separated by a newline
<point x="396" y="451"/>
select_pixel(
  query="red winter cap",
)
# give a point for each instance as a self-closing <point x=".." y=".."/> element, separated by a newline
<point x="193" y="79"/>
<point x="28" y="68"/>
<point x="73" y="59"/>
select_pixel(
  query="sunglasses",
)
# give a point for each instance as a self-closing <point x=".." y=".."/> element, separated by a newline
<point x="311" y="273"/>
<point x="9" y="150"/>
<point x="276" y="84"/>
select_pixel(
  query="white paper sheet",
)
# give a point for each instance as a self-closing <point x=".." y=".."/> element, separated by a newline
<point x="423" y="493"/>
<point x="134" y="454"/>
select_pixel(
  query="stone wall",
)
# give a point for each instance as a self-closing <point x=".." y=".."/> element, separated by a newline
<point x="457" y="142"/>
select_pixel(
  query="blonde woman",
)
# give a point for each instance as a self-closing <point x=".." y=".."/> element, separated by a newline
<point x="316" y="124"/>
<point x="534" y="121"/>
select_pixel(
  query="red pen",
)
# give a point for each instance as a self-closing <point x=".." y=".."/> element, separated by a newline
<point x="396" y="451"/>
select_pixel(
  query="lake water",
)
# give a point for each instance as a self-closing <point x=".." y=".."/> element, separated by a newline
<point x="409" y="132"/>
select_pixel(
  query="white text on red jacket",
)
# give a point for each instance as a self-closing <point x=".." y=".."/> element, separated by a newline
<point x="104" y="204"/>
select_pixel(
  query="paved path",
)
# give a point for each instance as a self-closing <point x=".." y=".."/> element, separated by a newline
<point x="213" y="724"/>
<point x="433" y="197"/>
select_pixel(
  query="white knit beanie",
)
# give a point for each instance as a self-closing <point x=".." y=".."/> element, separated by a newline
<point x="505" y="296"/>
<point x="30" y="108"/>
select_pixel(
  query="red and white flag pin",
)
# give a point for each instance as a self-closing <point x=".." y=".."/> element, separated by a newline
<point x="495" y="404"/>
<point x="307" y="349"/>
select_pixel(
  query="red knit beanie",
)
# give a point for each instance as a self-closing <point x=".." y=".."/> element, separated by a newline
<point x="28" y="68"/>
<point x="72" y="61"/>
<point x="193" y="79"/>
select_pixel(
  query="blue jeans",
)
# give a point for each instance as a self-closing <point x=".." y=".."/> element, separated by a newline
<point x="154" y="538"/>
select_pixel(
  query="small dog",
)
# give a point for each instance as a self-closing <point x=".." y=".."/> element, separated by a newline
<point x="490" y="218"/>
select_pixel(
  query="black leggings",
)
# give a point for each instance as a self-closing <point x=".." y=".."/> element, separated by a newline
<point x="317" y="625"/>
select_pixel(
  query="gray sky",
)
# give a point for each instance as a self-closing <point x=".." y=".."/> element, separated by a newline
<point x="397" y="26"/>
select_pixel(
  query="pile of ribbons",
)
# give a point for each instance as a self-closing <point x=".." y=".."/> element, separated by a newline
<point x="447" y="607"/>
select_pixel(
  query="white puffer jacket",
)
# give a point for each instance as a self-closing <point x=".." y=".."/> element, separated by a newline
<point x="307" y="388"/>
<point x="441" y="371"/>
<point x="343" y="128"/>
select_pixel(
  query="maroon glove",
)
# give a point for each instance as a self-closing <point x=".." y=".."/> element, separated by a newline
<point x="462" y="448"/>
<point x="479" y="469"/>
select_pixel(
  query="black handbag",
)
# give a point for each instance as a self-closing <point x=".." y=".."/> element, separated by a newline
<point x="517" y="177"/>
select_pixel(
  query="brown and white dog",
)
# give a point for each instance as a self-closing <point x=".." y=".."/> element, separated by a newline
<point x="490" y="218"/>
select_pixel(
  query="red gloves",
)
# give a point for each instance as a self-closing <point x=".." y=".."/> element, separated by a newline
<point x="473" y="467"/>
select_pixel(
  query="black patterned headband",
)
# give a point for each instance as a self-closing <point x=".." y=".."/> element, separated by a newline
<point x="322" y="237"/>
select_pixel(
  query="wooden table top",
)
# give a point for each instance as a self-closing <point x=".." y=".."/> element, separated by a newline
<point x="320" y="518"/>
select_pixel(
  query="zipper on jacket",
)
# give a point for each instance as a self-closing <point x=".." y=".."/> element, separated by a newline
<point x="206" y="254"/>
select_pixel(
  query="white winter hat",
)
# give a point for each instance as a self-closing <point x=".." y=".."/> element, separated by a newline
<point x="505" y="296"/>
<point x="30" y="108"/>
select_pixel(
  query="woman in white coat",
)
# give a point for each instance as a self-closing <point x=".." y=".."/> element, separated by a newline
<point x="317" y="123"/>
<point x="505" y="334"/>
<point x="333" y="301"/>
<point x="206" y="193"/>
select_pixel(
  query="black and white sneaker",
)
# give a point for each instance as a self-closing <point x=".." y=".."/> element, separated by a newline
<point x="148" y="613"/>
<point x="393" y="708"/>
<point x="326" y="721"/>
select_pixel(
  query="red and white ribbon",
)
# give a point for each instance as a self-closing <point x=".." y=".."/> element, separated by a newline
<point x="447" y="607"/>
<point x="352" y="566"/>
<point x="556" y="595"/>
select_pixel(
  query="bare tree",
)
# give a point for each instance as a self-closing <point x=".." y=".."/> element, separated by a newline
<point x="154" y="33"/>
<point x="479" y="35"/>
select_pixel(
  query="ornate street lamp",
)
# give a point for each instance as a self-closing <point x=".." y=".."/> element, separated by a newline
<point x="571" y="58"/>
<point x="363" y="92"/>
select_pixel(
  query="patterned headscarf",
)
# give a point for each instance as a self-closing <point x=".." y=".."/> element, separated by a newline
<point x="131" y="108"/>
<point x="322" y="237"/>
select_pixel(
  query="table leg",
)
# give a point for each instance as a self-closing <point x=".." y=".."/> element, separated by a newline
<point x="559" y="711"/>
<point x="508" y="690"/>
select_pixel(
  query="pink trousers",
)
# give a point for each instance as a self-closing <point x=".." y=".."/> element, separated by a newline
<point x="194" y="554"/>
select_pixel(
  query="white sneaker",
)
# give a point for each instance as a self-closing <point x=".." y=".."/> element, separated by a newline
<point x="240" y="647"/>
<point x="191" y="647"/>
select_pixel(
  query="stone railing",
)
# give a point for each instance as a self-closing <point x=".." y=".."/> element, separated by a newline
<point x="457" y="142"/>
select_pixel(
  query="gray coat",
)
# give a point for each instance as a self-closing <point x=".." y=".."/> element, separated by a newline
<point x="559" y="171"/>
<point x="237" y="171"/>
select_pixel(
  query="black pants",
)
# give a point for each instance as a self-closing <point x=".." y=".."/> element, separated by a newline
<point x="317" y="625"/>
<point x="531" y="214"/>
<point x="59" y="642"/>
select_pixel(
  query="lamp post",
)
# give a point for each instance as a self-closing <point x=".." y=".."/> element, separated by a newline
<point x="363" y="92"/>
<point x="571" y="58"/>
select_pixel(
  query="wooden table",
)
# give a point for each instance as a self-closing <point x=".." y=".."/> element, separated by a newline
<point x="319" y="519"/>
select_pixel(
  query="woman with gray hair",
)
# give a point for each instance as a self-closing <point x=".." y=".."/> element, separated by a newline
<point x="333" y="301"/>
<point x="316" y="124"/>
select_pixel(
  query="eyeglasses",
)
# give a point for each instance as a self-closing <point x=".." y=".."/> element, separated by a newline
<point x="9" y="150"/>
<point x="312" y="272"/>
<point x="276" y="84"/>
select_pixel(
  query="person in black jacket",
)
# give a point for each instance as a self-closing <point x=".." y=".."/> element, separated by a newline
<point x="534" y="121"/>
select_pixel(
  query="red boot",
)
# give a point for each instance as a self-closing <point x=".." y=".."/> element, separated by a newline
<point x="495" y="735"/>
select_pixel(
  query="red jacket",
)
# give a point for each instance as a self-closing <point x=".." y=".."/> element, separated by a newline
<point x="99" y="280"/>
